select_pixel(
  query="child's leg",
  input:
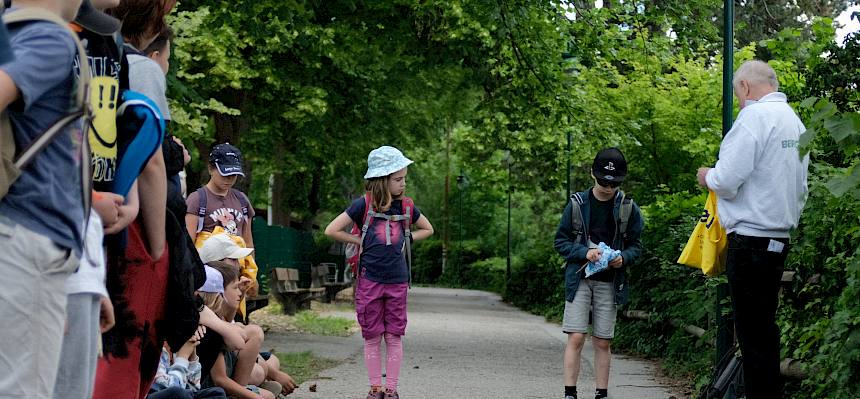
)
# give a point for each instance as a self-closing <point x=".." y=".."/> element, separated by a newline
<point x="395" y="327"/>
<point x="370" y="311"/>
<point x="248" y="355"/>
<point x="394" y="352"/>
<point x="258" y="374"/>
<point x="79" y="353"/>
<point x="373" y="360"/>
<point x="276" y="374"/>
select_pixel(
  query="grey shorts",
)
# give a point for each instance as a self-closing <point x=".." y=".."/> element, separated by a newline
<point x="597" y="297"/>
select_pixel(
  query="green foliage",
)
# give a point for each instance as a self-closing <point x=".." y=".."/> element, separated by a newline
<point x="312" y="323"/>
<point x="491" y="91"/>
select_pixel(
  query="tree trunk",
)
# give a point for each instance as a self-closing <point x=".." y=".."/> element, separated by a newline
<point x="280" y="212"/>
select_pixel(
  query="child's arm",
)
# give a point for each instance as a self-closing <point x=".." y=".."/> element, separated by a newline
<point x="127" y="211"/>
<point x="232" y="335"/>
<point x="335" y="230"/>
<point x="566" y="244"/>
<point x="8" y="90"/>
<point x="232" y="388"/>
<point x="195" y="370"/>
<point x="166" y="376"/>
<point x="425" y="229"/>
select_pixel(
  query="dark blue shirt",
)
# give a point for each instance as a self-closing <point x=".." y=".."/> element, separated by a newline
<point x="46" y="199"/>
<point x="380" y="262"/>
<point x="5" y="49"/>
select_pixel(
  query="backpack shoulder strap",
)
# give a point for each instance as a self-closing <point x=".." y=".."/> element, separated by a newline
<point x="576" y="219"/>
<point x="624" y="214"/>
<point x="368" y="210"/>
<point x="243" y="201"/>
<point x="201" y="208"/>
<point x="408" y="207"/>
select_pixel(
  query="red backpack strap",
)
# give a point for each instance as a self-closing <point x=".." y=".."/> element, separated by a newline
<point x="368" y="208"/>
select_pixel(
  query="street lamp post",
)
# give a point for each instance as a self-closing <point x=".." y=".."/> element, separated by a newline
<point x="725" y="323"/>
<point x="461" y="182"/>
<point x="506" y="161"/>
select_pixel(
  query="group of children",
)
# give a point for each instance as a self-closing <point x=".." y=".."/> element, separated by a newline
<point x="114" y="301"/>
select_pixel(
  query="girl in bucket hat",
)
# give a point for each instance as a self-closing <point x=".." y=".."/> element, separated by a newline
<point x="389" y="221"/>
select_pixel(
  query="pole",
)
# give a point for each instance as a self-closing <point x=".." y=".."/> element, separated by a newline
<point x="508" y="270"/>
<point x="568" y="193"/>
<point x="725" y="323"/>
<point x="460" y="183"/>
<point x="445" y="219"/>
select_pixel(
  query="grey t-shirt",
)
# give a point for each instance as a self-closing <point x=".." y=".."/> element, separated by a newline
<point x="47" y="197"/>
<point x="147" y="78"/>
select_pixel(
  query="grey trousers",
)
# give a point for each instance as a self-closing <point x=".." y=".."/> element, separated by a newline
<point x="33" y="272"/>
<point x="78" y="358"/>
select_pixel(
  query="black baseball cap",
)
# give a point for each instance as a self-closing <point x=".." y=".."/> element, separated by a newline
<point x="228" y="159"/>
<point x="94" y="20"/>
<point x="609" y="165"/>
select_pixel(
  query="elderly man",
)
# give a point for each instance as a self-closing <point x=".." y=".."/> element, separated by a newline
<point x="760" y="181"/>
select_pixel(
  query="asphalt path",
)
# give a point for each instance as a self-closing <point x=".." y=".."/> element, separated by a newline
<point x="469" y="344"/>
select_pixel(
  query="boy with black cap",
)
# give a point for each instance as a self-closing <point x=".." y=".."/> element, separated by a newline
<point x="602" y="214"/>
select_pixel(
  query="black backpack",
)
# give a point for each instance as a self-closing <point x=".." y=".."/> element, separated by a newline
<point x="728" y="379"/>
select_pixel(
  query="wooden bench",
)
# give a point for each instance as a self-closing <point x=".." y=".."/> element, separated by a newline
<point x="284" y="285"/>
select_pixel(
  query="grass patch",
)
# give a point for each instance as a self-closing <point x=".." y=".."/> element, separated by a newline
<point x="310" y="322"/>
<point x="304" y="366"/>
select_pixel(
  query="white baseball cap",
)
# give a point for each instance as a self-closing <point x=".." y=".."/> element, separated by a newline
<point x="221" y="246"/>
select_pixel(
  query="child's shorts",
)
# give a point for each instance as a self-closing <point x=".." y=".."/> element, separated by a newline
<point x="597" y="297"/>
<point x="380" y="308"/>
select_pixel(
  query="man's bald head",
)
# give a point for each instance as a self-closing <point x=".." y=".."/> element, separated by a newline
<point x="754" y="80"/>
<point x="756" y="73"/>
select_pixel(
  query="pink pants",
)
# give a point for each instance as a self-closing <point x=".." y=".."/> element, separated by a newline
<point x="380" y="308"/>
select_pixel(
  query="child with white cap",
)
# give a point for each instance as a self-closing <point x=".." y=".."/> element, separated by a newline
<point x="386" y="217"/>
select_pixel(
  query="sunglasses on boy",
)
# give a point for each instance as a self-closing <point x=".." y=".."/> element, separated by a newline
<point x="608" y="183"/>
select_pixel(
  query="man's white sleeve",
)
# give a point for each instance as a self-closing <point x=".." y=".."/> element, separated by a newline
<point x="738" y="154"/>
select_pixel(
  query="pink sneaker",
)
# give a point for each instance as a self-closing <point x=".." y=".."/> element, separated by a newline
<point x="391" y="394"/>
<point x="375" y="395"/>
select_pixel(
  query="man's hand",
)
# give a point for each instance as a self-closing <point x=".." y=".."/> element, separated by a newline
<point x="106" y="318"/>
<point x="593" y="255"/>
<point x="617" y="262"/>
<point x="700" y="176"/>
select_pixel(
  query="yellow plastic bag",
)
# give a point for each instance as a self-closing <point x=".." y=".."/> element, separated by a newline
<point x="706" y="248"/>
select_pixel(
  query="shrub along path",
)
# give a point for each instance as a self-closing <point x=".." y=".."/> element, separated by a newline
<point x="468" y="344"/>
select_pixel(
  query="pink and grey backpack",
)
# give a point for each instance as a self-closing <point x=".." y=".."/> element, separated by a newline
<point x="353" y="251"/>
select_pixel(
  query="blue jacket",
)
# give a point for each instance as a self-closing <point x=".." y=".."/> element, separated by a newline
<point x="574" y="252"/>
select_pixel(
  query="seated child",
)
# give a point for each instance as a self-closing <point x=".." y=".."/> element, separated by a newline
<point x="178" y="375"/>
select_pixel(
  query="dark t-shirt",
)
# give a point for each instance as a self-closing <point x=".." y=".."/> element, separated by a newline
<point x="210" y="346"/>
<point x="601" y="228"/>
<point x="6" y="54"/>
<point x="224" y="211"/>
<point x="380" y="262"/>
<point x="110" y="79"/>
